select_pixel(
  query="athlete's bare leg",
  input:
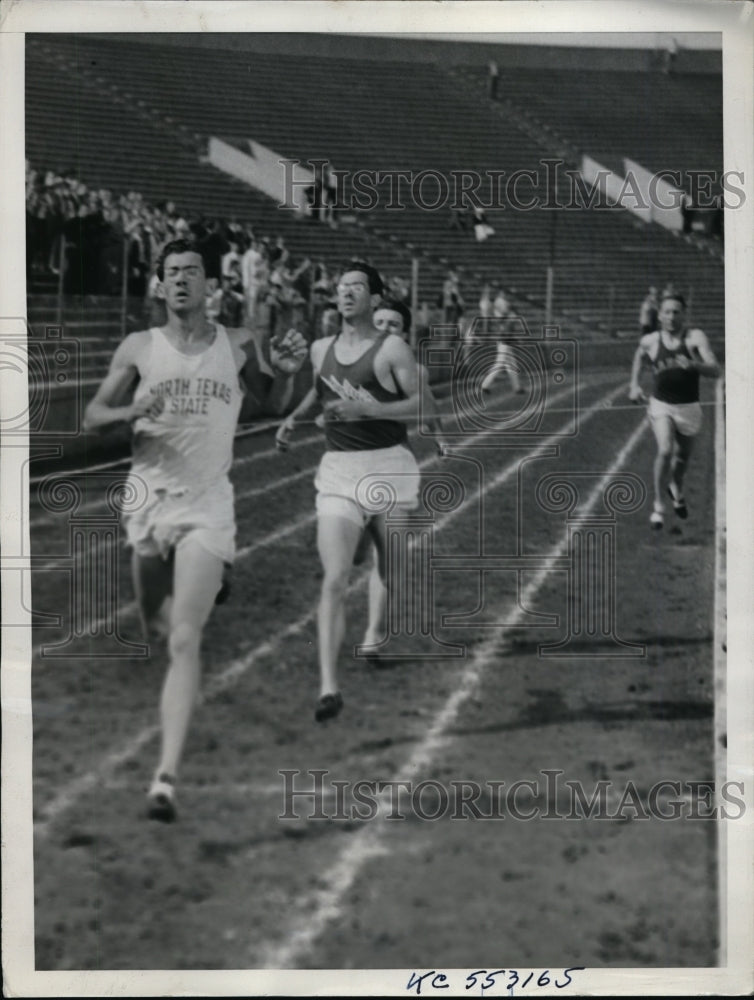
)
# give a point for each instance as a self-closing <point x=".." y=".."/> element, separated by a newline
<point x="664" y="435"/>
<point x="375" y="631"/>
<point x="681" y="452"/>
<point x="197" y="578"/>
<point x="337" y="538"/>
<point x="153" y="585"/>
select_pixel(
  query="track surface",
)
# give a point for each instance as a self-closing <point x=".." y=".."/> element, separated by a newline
<point x="231" y="885"/>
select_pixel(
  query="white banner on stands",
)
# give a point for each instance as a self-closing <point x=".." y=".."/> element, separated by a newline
<point x="261" y="168"/>
<point x="606" y="181"/>
<point x="661" y="198"/>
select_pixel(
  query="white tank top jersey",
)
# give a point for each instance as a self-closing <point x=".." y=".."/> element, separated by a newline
<point x="190" y="444"/>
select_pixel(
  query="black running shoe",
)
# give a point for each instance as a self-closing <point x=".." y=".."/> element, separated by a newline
<point x="656" y="520"/>
<point x="161" y="799"/>
<point x="679" y="505"/>
<point x="328" y="706"/>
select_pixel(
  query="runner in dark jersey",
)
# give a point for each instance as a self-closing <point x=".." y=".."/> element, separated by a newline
<point x="677" y="357"/>
<point x="367" y="383"/>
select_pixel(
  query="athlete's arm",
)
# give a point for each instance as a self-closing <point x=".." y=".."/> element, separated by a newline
<point x="635" y="392"/>
<point x="108" y="407"/>
<point x="708" y="365"/>
<point x="268" y="365"/>
<point x="288" y="426"/>
<point x="317" y="354"/>
<point x="309" y="400"/>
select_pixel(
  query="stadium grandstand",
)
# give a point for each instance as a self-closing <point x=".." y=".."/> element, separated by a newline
<point x="114" y="114"/>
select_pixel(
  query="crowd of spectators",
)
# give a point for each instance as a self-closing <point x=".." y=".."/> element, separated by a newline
<point x="90" y="234"/>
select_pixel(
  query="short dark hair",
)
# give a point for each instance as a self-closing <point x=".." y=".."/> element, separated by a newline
<point x="396" y="306"/>
<point x="673" y="295"/>
<point x="373" y="275"/>
<point x="178" y="246"/>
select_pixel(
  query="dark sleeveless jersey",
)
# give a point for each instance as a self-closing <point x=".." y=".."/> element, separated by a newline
<point x="357" y="381"/>
<point x="673" y="384"/>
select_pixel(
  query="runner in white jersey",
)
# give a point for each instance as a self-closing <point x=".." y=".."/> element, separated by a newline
<point x="184" y="452"/>
<point x="185" y="380"/>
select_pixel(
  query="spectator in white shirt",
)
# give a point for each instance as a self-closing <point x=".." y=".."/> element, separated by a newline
<point x="251" y="271"/>
<point x="229" y="258"/>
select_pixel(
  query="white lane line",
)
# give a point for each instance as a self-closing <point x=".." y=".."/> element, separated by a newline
<point x="320" y="908"/>
<point x="720" y="669"/>
<point x="271" y="538"/>
<point x="242" y="789"/>
<point x="70" y="793"/>
<point x="51" y="387"/>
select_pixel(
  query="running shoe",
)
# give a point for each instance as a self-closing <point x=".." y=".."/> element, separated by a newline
<point x="328" y="706"/>
<point x="161" y="799"/>
<point x="679" y="504"/>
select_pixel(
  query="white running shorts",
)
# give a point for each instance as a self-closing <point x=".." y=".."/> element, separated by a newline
<point x="356" y="484"/>
<point x="686" y="417"/>
<point x="168" y="519"/>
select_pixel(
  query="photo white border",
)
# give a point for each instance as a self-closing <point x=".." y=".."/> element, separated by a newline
<point x="736" y="22"/>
